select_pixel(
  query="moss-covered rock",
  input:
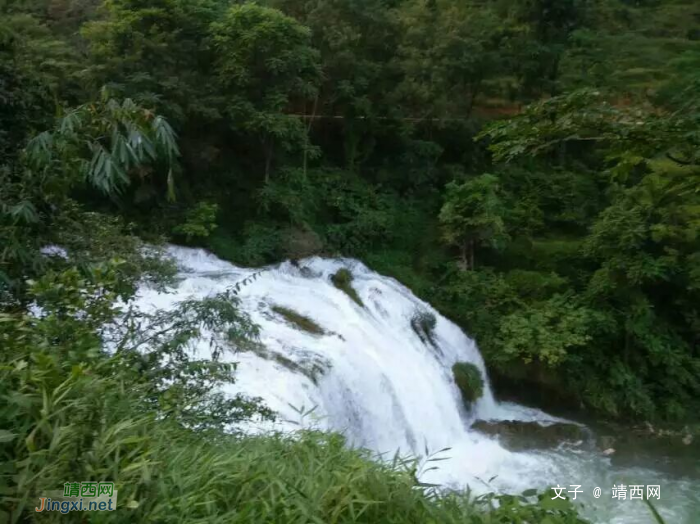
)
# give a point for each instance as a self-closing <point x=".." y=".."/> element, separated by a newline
<point x="310" y="365"/>
<point x="300" y="321"/>
<point x="469" y="381"/>
<point x="423" y="324"/>
<point x="301" y="243"/>
<point x="342" y="280"/>
<point x="310" y="369"/>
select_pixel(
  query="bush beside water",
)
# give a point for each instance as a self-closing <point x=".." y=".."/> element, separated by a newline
<point x="469" y="381"/>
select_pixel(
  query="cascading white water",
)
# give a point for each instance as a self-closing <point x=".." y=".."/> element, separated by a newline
<point x="373" y="378"/>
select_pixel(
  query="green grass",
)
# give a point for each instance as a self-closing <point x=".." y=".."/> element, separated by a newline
<point x="311" y="477"/>
<point x="300" y="321"/>
<point x="342" y="280"/>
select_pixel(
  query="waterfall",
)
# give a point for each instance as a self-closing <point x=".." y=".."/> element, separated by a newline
<point x="370" y="374"/>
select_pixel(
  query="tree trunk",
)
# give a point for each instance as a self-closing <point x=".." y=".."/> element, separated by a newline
<point x="269" y="148"/>
<point x="466" y="262"/>
<point x="474" y="92"/>
<point x="308" y="132"/>
<point x="352" y="142"/>
<point x="464" y="259"/>
<point x="553" y="78"/>
<point x="471" y="255"/>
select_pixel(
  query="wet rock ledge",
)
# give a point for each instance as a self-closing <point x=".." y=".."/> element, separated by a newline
<point x="518" y="435"/>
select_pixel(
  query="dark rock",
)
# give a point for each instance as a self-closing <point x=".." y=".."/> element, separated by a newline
<point x="301" y="243"/>
<point x="423" y="324"/>
<point x="518" y="435"/>
<point x="606" y="441"/>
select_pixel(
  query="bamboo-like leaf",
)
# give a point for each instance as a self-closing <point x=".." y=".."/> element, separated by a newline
<point x="24" y="212"/>
<point x="171" y="186"/>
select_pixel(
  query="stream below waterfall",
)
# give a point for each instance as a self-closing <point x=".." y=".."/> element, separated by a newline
<point x="373" y="378"/>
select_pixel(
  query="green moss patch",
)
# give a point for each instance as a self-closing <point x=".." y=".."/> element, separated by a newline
<point x="469" y="381"/>
<point x="298" y="320"/>
<point x="343" y="281"/>
<point x="311" y="370"/>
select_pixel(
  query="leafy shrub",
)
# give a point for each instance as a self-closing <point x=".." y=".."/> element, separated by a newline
<point x="200" y="221"/>
<point x="547" y="333"/>
<point x="469" y="381"/>
<point x="259" y="244"/>
<point x="75" y="411"/>
<point x="472" y="216"/>
<point x="342" y="280"/>
<point x="262" y="244"/>
<point x="351" y="214"/>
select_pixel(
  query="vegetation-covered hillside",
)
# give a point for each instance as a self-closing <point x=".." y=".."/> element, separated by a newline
<point x="530" y="167"/>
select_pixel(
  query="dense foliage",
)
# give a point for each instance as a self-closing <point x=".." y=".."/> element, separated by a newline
<point x="530" y="167"/>
<point x="93" y="389"/>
